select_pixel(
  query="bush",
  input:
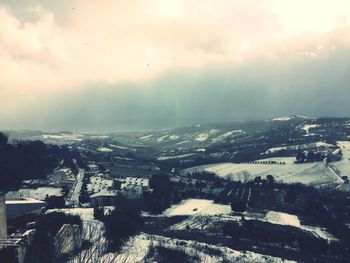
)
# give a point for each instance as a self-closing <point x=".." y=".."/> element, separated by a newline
<point x="238" y="206"/>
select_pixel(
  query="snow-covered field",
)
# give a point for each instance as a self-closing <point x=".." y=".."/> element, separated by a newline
<point x="315" y="174"/>
<point x="300" y="147"/>
<point x="197" y="207"/>
<point x="343" y="166"/>
<point x="201" y="222"/>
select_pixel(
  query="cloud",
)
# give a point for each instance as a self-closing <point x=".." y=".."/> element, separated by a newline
<point x="51" y="48"/>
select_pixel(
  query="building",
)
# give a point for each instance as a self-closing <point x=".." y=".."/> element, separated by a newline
<point x="40" y="193"/>
<point x="98" y="184"/>
<point x="3" y="217"/>
<point x="22" y="206"/>
<point x="133" y="187"/>
<point x="104" y="198"/>
<point x="130" y="182"/>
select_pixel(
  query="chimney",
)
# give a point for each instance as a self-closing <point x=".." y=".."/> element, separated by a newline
<point x="3" y="218"/>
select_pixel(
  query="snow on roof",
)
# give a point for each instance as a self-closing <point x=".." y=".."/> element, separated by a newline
<point x="40" y="193"/>
<point x="282" y="218"/>
<point x="84" y="213"/>
<point x="105" y="193"/>
<point x="18" y="201"/>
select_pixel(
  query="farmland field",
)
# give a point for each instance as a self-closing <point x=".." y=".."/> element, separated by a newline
<point x="313" y="174"/>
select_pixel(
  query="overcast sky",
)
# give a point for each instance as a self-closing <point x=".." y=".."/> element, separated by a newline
<point x="88" y="65"/>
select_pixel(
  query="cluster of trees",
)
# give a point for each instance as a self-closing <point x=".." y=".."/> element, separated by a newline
<point x="203" y="175"/>
<point x="122" y="222"/>
<point x="161" y="196"/>
<point x="55" y="202"/>
<point x="309" y="157"/>
<point x="30" y="160"/>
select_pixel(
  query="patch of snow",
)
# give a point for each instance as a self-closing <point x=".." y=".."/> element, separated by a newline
<point x="162" y="138"/>
<point x="63" y="137"/>
<point x="286" y="118"/>
<point x="201" y="150"/>
<point x="146" y="137"/>
<point x="169" y="157"/>
<point x="319" y="232"/>
<point x="104" y="149"/>
<point x="99" y="136"/>
<point x="214" y="131"/>
<point x="282" y="218"/>
<point x="183" y="142"/>
<point x="118" y="147"/>
<point x="202" y="137"/>
<point x="174" y="137"/>
<point x="307" y="127"/>
<point x="227" y="134"/>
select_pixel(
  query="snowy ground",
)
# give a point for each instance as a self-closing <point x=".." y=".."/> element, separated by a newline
<point x="343" y="166"/>
<point x="197" y="207"/>
<point x="201" y="222"/>
<point x="137" y="248"/>
<point x="315" y="174"/>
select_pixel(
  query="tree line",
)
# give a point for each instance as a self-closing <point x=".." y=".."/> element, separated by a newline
<point x="25" y="160"/>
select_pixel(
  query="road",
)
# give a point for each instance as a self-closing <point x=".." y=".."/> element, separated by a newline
<point x="73" y="199"/>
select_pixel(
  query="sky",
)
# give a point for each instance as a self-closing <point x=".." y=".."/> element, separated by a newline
<point x="89" y="65"/>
